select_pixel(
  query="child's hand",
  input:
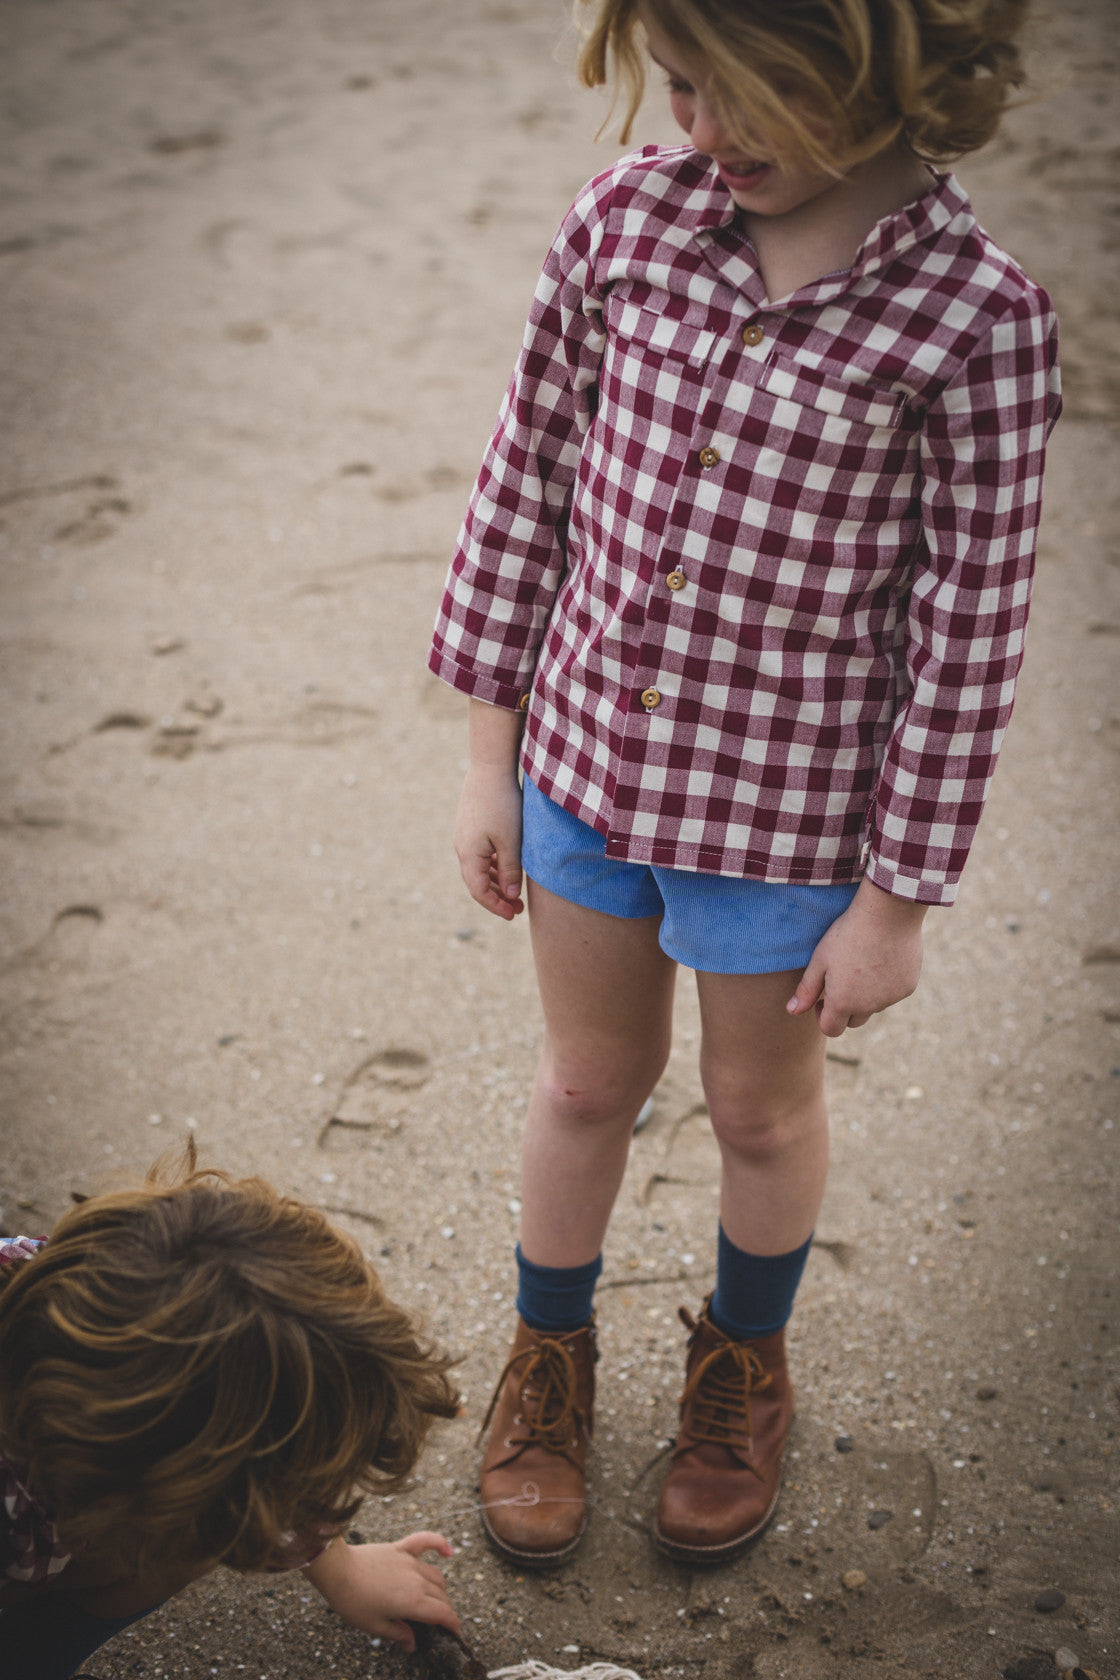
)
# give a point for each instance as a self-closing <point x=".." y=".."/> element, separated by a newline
<point x="381" y="1588"/>
<point x="870" y="957"/>
<point x="488" y="826"/>
<point x="488" y="840"/>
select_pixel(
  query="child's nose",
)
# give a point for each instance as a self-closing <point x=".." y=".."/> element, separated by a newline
<point x="706" y="131"/>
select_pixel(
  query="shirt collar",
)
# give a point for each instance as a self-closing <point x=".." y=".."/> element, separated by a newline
<point x="923" y="218"/>
<point x="710" y="207"/>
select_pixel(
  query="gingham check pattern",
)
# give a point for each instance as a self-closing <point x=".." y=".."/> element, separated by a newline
<point x="763" y="569"/>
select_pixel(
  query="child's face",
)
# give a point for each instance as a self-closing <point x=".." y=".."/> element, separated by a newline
<point x="758" y="182"/>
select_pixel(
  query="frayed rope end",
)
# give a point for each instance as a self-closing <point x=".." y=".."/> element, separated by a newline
<point x="540" y="1671"/>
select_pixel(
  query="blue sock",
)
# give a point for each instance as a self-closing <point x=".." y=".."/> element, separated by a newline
<point x="754" y="1292"/>
<point x="556" y="1298"/>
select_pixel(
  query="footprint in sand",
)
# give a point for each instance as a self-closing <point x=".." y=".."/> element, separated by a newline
<point x="103" y="511"/>
<point x="69" y="940"/>
<point x="318" y="723"/>
<point x="890" y="1498"/>
<point x="98" y="522"/>
<point x="171" y="145"/>
<point x="36" y="492"/>
<point x="121" y="720"/>
<point x="376" y="1096"/>
<point x="72" y="933"/>
<point x="247" y="332"/>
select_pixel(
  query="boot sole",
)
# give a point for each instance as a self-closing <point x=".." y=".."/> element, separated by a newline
<point x="531" y="1560"/>
<point x="681" y="1553"/>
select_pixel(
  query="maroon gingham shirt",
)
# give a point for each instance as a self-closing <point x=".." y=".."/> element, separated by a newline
<point x="759" y="572"/>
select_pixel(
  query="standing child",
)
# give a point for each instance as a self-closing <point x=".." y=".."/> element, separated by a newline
<point x="743" y="585"/>
<point x="194" y="1373"/>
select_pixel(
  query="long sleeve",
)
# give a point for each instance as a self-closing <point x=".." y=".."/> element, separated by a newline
<point x="983" y="446"/>
<point x="510" y="557"/>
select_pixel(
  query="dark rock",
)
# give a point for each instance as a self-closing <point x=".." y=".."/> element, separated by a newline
<point x="1029" y="1668"/>
<point x="845" y="1444"/>
<point x="442" y="1655"/>
<point x="1049" y="1599"/>
<point x="880" y="1519"/>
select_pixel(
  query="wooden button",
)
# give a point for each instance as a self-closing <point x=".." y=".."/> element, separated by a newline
<point x="676" y="580"/>
<point x="523" y="703"/>
<point x="709" y="456"/>
<point x="651" y="697"/>
<point x="753" y="334"/>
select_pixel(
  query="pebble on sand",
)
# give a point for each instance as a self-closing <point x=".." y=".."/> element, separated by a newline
<point x="1049" y="1599"/>
<point x="880" y="1519"/>
<point x="854" y="1579"/>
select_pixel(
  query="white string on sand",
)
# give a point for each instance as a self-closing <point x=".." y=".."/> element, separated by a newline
<point x="540" y="1671"/>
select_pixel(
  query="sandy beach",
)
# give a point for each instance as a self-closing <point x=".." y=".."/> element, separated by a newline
<point x="263" y="273"/>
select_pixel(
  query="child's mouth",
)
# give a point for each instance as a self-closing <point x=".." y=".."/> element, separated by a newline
<point x="742" y="174"/>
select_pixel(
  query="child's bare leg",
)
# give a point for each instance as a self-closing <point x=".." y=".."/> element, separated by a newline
<point x="763" y="1076"/>
<point x="607" y="991"/>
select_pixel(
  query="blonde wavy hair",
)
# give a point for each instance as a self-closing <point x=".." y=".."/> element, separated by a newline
<point x="935" y="74"/>
<point x="201" y="1370"/>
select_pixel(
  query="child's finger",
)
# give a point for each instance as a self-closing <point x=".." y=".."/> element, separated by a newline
<point x="480" y="877"/>
<point x="808" y="991"/>
<point x="508" y="872"/>
<point x="833" y="1023"/>
<point x="426" y="1540"/>
<point x="440" y="1614"/>
<point x="402" y="1633"/>
<point x="475" y="870"/>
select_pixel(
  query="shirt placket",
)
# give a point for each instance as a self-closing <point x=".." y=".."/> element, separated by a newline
<point x="672" y="590"/>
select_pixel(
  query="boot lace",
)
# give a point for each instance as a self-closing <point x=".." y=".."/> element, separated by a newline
<point x="546" y="1397"/>
<point x="716" y="1403"/>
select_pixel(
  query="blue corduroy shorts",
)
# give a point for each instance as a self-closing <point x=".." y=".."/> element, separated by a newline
<point x="718" y="924"/>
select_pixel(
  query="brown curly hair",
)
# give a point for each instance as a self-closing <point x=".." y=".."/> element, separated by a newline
<point x="936" y="74"/>
<point x="201" y="1370"/>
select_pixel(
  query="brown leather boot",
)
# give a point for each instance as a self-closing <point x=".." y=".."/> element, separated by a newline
<point x="726" y="1469"/>
<point x="533" y="1480"/>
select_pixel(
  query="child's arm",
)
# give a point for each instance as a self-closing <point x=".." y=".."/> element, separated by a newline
<point x="982" y="447"/>
<point x="870" y="957"/>
<point x="381" y="1588"/>
<point x="488" y="825"/>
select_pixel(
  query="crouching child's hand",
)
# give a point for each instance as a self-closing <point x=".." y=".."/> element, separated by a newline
<point x="381" y="1588"/>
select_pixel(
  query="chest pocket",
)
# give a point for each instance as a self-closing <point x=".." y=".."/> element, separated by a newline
<point x="844" y="409"/>
<point x="646" y="333"/>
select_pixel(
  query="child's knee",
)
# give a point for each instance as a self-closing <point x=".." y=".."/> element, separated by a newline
<point x="588" y="1094"/>
<point x="762" y="1125"/>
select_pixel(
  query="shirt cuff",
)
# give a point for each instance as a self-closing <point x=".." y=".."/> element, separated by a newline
<point x="918" y="889"/>
<point x="511" y="694"/>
